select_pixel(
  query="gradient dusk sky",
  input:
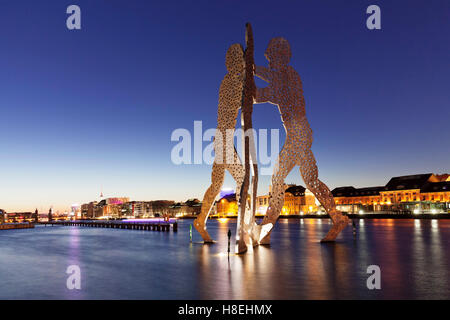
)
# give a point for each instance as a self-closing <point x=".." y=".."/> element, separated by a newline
<point x="94" y="109"/>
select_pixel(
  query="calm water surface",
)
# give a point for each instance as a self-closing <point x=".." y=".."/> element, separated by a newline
<point x="414" y="257"/>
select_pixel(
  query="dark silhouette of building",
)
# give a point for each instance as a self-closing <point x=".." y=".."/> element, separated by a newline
<point x="36" y="216"/>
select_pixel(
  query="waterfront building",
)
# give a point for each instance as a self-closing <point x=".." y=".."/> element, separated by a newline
<point x="147" y="209"/>
<point x="160" y="208"/>
<point x="75" y="212"/>
<point x="88" y="210"/>
<point x="227" y="206"/>
<point x="353" y="200"/>
<point x="17" y="216"/>
<point x="420" y="193"/>
<point x="137" y="209"/>
<point x="191" y="207"/>
<point x="110" y="208"/>
<point x="297" y="201"/>
<point x="122" y="208"/>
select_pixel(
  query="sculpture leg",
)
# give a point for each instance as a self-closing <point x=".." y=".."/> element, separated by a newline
<point x="285" y="164"/>
<point x="250" y="217"/>
<point x="252" y="223"/>
<point x="309" y="172"/>
<point x="237" y="172"/>
<point x="217" y="177"/>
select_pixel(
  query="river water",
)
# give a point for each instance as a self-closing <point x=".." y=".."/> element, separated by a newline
<point x="413" y="256"/>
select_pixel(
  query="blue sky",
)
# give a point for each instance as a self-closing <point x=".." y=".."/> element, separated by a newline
<point x="94" y="109"/>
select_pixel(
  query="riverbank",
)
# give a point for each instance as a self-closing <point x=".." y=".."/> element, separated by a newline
<point x="351" y="216"/>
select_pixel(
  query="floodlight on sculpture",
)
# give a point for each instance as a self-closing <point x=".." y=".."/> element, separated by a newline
<point x="226" y="157"/>
<point x="285" y="91"/>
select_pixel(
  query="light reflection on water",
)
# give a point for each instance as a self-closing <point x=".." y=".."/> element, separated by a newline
<point x="414" y="257"/>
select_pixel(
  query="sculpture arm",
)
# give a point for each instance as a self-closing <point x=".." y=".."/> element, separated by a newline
<point x="262" y="95"/>
<point x="263" y="73"/>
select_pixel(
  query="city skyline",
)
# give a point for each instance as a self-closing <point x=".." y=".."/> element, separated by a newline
<point x="93" y="110"/>
<point x="224" y="192"/>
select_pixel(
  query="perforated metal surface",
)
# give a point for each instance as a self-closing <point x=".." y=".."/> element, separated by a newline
<point x="230" y="101"/>
<point x="285" y="90"/>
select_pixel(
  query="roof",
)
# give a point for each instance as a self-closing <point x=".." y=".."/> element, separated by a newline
<point x="101" y="203"/>
<point x="371" y="191"/>
<point x="176" y="205"/>
<point x="416" y="181"/>
<point x="436" y="187"/>
<point x="229" y="197"/>
<point x="193" y="203"/>
<point x="442" y="177"/>
<point x="188" y="203"/>
<point x="353" y="192"/>
<point x="296" y="191"/>
<point x="343" y="191"/>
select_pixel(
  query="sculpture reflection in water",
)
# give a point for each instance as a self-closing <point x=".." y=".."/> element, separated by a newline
<point x="285" y="91"/>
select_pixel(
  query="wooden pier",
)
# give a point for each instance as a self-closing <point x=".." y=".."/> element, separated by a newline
<point x="11" y="226"/>
<point x="157" y="225"/>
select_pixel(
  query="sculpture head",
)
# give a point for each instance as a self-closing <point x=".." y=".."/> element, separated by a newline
<point x="278" y="52"/>
<point x="234" y="59"/>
